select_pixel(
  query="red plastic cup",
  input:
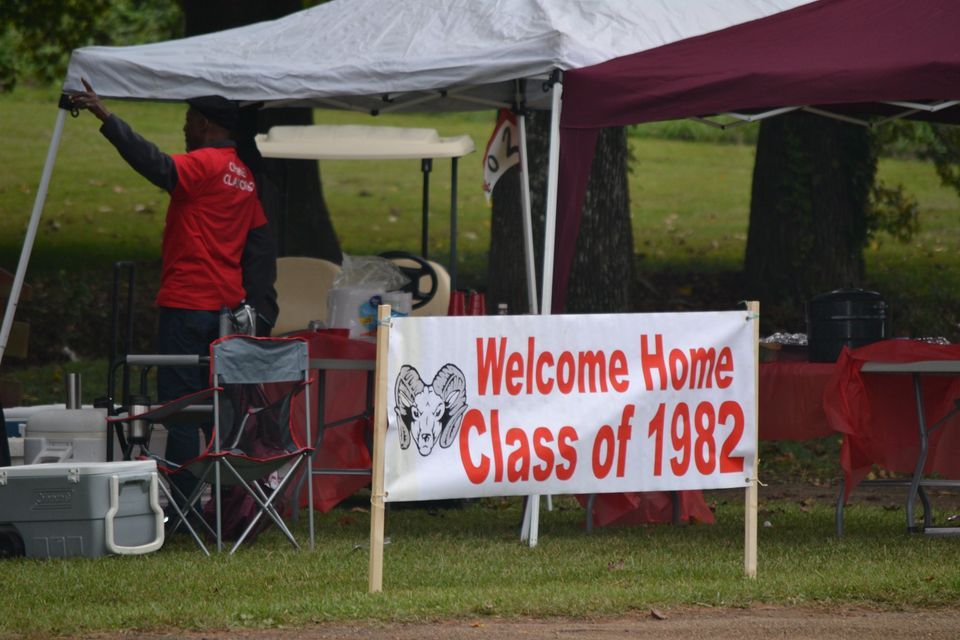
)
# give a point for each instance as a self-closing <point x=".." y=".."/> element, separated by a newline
<point x="478" y="304"/>
<point x="456" y="307"/>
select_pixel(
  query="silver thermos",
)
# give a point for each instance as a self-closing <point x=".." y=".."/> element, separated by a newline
<point x="74" y="399"/>
<point x="139" y="430"/>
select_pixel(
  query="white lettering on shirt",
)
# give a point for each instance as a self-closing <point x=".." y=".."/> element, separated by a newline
<point x="237" y="181"/>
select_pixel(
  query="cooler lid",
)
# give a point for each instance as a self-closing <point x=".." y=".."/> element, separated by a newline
<point x="92" y="421"/>
<point x="847" y="295"/>
<point x="46" y="470"/>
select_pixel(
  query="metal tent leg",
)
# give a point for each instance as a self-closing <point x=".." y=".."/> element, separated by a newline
<point x="527" y="219"/>
<point x="34" y="223"/>
<point x="532" y="515"/>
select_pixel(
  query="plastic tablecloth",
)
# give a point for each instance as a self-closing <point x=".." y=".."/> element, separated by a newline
<point x="791" y="400"/>
<point x="791" y="408"/>
<point x="877" y="413"/>
<point x="343" y="446"/>
<point x="624" y="509"/>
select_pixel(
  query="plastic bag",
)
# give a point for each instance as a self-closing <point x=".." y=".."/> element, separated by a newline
<point x="242" y="320"/>
<point x="363" y="283"/>
<point x="370" y="272"/>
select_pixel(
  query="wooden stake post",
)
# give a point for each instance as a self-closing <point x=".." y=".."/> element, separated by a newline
<point x="750" y="505"/>
<point x="379" y="438"/>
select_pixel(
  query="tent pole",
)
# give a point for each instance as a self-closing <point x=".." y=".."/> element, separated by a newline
<point x="550" y="229"/>
<point x="31" y="231"/>
<point x="527" y="218"/>
<point x="531" y="518"/>
<point x="453" y="224"/>
<point x="426" y="165"/>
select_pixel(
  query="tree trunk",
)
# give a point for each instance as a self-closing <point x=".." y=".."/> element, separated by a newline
<point x="299" y="214"/>
<point x="506" y="266"/>
<point x="808" y="213"/>
<point x="602" y="274"/>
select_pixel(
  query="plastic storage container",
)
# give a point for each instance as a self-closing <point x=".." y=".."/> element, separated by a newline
<point x="86" y="509"/>
<point x="60" y="435"/>
<point x="844" y="318"/>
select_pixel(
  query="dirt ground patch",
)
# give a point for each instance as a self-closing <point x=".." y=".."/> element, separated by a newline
<point x="944" y="501"/>
<point x="718" y="624"/>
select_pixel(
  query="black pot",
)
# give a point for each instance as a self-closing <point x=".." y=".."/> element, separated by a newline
<point x="845" y="317"/>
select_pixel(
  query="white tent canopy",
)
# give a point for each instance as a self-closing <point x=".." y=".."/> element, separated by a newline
<point x="377" y="55"/>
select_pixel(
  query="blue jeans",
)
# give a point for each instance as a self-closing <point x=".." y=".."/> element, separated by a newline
<point x="184" y="332"/>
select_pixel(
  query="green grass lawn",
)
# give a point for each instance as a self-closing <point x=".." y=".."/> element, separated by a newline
<point x="469" y="564"/>
<point x="690" y="200"/>
<point x="690" y="203"/>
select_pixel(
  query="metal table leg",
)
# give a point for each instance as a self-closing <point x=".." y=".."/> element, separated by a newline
<point x="915" y="487"/>
<point x="838" y="516"/>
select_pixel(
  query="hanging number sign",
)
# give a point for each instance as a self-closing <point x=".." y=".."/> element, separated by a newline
<point x="503" y="150"/>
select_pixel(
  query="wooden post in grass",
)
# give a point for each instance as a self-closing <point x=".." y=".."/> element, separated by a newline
<point x="750" y="506"/>
<point x="379" y="439"/>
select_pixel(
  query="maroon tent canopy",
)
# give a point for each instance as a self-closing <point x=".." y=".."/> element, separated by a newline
<point x="840" y="56"/>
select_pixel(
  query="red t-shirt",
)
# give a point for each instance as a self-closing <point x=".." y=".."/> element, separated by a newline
<point x="212" y="208"/>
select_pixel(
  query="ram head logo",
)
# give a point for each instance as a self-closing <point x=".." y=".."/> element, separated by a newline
<point x="430" y="413"/>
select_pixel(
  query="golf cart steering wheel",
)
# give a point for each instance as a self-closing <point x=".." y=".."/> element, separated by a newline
<point x="421" y="269"/>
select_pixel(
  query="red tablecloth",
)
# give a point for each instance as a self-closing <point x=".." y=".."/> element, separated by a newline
<point x="791" y="400"/>
<point x="343" y="446"/>
<point x="877" y="412"/>
<point x="797" y="401"/>
<point x="791" y="408"/>
<point x="622" y="509"/>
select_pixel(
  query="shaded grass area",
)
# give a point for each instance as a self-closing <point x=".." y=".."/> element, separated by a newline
<point x="45" y="384"/>
<point x="468" y="563"/>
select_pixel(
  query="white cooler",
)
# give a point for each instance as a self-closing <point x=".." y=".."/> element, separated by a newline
<point x="62" y="435"/>
<point x="65" y="509"/>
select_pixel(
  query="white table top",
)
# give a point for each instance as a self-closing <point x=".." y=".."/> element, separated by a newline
<point x="920" y="366"/>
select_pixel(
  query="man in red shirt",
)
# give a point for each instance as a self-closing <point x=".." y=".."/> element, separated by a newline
<point x="213" y="216"/>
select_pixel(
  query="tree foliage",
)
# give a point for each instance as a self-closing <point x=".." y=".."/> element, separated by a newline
<point x="809" y="211"/>
<point x="37" y="36"/>
<point x="817" y="202"/>
<point x="944" y="149"/>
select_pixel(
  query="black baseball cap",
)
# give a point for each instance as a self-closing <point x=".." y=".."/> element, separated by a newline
<point x="218" y="110"/>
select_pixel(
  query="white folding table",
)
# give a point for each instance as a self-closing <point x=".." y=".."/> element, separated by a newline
<point x="917" y="482"/>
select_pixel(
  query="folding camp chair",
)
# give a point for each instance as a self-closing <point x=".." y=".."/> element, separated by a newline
<point x="257" y="385"/>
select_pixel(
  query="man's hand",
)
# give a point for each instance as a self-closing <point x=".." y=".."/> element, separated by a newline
<point x="90" y="101"/>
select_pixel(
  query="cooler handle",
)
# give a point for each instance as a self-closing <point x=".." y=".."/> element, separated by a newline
<point x="115" y="506"/>
<point x="53" y="453"/>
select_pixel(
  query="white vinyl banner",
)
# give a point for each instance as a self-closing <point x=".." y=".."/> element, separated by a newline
<point x="518" y="405"/>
